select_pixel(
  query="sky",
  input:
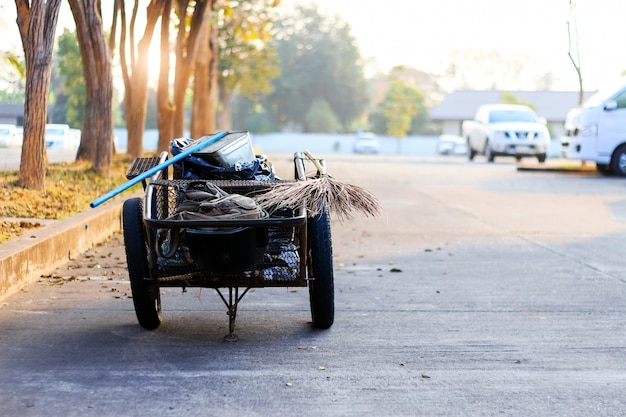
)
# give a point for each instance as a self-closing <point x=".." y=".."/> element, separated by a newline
<point x="427" y="34"/>
<point x="430" y="34"/>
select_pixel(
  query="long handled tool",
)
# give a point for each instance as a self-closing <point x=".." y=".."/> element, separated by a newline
<point x="148" y="173"/>
<point x="321" y="191"/>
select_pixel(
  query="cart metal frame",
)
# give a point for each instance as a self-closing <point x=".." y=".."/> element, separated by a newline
<point x="299" y="250"/>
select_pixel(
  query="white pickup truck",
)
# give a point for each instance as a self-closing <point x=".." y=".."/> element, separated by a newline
<point x="597" y="131"/>
<point x="506" y="130"/>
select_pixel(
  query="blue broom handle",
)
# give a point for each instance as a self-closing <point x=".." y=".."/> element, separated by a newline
<point x="148" y="173"/>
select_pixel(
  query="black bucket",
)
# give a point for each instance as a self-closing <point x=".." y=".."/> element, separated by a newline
<point x="227" y="251"/>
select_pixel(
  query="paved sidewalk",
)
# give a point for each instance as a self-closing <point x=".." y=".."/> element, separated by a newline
<point x="39" y="250"/>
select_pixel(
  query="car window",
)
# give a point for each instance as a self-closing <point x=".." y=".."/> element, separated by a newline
<point x="500" y="116"/>
<point x="55" y="132"/>
<point x="621" y="100"/>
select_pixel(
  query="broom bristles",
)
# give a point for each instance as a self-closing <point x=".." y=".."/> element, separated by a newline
<point x="341" y="199"/>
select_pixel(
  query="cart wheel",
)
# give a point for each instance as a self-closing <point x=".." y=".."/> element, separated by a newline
<point x="147" y="300"/>
<point x="320" y="264"/>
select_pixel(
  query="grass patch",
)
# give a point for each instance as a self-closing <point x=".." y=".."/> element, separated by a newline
<point x="70" y="187"/>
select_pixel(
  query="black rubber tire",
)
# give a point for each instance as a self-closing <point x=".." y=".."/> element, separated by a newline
<point x="618" y="162"/>
<point x="147" y="300"/>
<point x="320" y="269"/>
<point x="471" y="153"/>
<point x="489" y="153"/>
<point x="603" y="168"/>
<point x="541" y="158"/>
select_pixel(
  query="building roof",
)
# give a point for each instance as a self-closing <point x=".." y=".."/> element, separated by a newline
<point x="462" y="104"/>
<point x="12" y="109"/>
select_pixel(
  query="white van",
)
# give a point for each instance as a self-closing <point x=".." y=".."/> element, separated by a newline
<point x="597" y="131"/>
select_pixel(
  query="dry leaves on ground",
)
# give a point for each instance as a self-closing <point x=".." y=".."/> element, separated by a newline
<point x="70" y="187"/>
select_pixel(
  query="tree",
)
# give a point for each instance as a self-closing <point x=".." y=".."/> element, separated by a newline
<point x="191" y="19"/>
<point x="97" y="131"/>
<point x="319" y="60"/>
<point x="252" y="116"/>
<point x="204" y="106"/>
<point x="427" y="83"/>
<point x="572" y="24"/>
<point x="165" y="108"/>
<point x="322" y="119"/>
<point x="12" y="78"/>
<point x="186" y="52"/>
<point x="247" y="63"/>
<point x="134" y="61"/>
<point x="403" y="102"/>
<point x="509" y="98"/>
<point x="37" y="22"/>
<point x="70" y="70"/>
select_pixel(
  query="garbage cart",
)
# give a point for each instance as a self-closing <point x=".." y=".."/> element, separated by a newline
<point x="197" y="226"/>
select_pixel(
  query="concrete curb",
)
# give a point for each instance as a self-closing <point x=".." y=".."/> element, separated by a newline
<point x="559" y="165"/>
<point x="25" y="258"/>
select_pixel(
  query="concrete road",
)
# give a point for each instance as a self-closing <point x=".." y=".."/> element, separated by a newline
<point x="10" y="157"/>
<point x="483" y="290"/>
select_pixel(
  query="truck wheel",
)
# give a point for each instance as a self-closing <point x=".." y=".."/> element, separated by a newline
<point x="471" y="153"/>
<point x="320" y="265"/>
<point x="541" y="157"/>
<point x="618" y="162"/>
<point x="147" y="300"/>
<point x="603" y="168"/>
<point x="489" y="153"/>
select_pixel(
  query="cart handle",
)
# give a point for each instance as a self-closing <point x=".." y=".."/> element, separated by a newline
<point x="203" y="142"/>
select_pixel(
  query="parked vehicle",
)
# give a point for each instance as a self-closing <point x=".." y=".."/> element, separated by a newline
<point x="506" y="130"/>
<point x="596" y="131"/>
<point x="60" y="136"/>
<point x="451" y="145"/>
<point x="10" y="136"/>
<point x="366" y="143"/>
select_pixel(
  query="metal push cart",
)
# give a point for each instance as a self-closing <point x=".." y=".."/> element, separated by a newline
<point x="284" y="248"/>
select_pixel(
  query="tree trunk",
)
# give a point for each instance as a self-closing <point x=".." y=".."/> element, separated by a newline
<point x="203" y="116"/>
<point x="213" y="76"/>
<point x="186" y="51"/>
<point x="181" y="81"/>
<point x="135" y="74"/>
<point x="37" y="25"/>
<point x="200" y="118"/>
<point x="97" y="129"/>
<point x="165" y="108"/>
<point x="224" y="119"/>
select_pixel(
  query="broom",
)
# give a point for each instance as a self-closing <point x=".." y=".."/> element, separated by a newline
<point x="318" y="192"/>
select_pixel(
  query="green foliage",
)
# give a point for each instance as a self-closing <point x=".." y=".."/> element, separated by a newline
<point x="320" y="62"/>
<point x="403" y="110"/>
<point x="509" y="98"/>
<point x="12" y="78"/>
<point x="247" y="63"/>
<point x="321" y="118"/>
<point x="251" y="116"/>
<point x="70" y="67"/>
